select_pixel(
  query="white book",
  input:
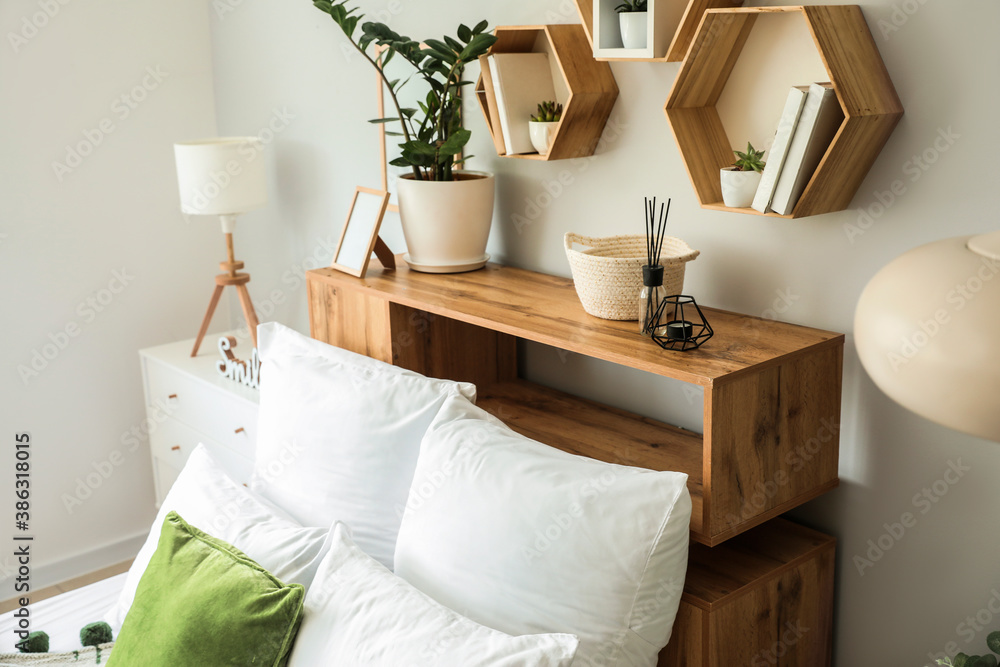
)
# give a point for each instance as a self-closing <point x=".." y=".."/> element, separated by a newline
<point x="776" y="156"/>
<point x="819" y="121"/>
<point x="520" y="82"/>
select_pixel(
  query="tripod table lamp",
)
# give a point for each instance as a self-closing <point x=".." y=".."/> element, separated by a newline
<point x="223" y="177"/>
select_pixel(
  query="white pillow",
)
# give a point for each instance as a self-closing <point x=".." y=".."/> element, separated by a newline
<point x="338" y="435"/>
<point x="359" y="613"/>
<point x="524" y="538"/>
<point x="209" y="500"/>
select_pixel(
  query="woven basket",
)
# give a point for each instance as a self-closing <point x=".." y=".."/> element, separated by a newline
<point x="608" y="274"/>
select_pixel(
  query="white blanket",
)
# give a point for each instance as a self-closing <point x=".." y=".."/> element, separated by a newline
<point x="85" y="656"/>
<point x="63" y="616"/>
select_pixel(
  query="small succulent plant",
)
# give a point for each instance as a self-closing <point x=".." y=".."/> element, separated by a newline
<point x="629" y="6"/>
<point x="749" y="161"/>
<point x="548" y="112"/>
<point x="988" y="660"/>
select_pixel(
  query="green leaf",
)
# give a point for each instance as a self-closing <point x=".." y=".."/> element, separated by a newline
<point x="400" y="162"/>
<point x="455" y="143"/>
<point x="418" y="148"/>
<point x="481" y="26"/>
<point x="454" y="44"/>
<point x="993" y="641"/>
<point x="377" y="121"/>
<point x="464" y="33"/>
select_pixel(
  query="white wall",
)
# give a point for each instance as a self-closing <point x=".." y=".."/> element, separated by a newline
<point x="106" y="228"/>
<point x="270" y="54"/>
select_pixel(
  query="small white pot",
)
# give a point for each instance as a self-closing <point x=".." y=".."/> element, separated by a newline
<point x="541" y="135"/>
<point x="738" y="187"/>
<point x="633" y="27"/>
<point x="447" y="223"/>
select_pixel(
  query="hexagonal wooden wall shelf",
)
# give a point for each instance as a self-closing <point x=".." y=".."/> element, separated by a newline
<point x="869" y="101"/>
<point x="589" y="86"/>
<point x="672" y="25"/>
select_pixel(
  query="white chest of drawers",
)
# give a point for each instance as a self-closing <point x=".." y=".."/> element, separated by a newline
<point x="189" y="402"/>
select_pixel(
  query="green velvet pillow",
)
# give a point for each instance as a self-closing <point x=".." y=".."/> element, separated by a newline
<point x="204" y="602"/>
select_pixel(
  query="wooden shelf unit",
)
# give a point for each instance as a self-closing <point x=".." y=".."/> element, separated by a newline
<point x="673" y="22"/>
<point x="852" y="60"/>
<point x="591" y="86"/>
<point x="772" y="390"/>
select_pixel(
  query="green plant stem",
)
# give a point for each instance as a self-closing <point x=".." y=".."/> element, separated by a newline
<point x="402" y="120"/>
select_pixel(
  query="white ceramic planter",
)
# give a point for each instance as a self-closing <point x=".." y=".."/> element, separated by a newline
<point x="541" y="135"/>
<point x="633" y="27"/>
<point x="738" y="187"/>
<point x="447" y="223"/>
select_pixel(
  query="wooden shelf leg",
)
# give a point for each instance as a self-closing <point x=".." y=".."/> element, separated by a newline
<point x="208" y="318"/>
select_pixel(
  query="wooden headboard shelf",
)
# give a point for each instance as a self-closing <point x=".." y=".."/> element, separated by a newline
<point x="771" y="421"/>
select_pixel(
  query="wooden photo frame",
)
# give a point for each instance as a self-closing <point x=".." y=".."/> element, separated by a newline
<point x="359" y="237"/>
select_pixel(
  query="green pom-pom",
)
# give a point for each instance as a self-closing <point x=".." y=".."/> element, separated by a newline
<point x="95" y="634"/>
<point x="993" y="641"/>
<point x="37" y="642"/>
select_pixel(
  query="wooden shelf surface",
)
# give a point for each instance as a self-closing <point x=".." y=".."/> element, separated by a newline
<point x="586" y="428"/>
<point x="545" y="309"/>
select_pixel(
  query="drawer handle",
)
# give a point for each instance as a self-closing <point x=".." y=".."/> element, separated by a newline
<point x="175" y="448"/>
<point x="240" y="430"/>
<point x="172" y="396"/>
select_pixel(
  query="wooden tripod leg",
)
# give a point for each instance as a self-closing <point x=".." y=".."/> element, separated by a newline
<point x="248" y="311"/>
<point x="208" y="318"/>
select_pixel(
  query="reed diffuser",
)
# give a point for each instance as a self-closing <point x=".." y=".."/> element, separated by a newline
<point x="652" y="272"/>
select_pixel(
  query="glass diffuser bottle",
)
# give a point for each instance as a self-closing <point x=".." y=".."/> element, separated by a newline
<point x="650" y="297"/>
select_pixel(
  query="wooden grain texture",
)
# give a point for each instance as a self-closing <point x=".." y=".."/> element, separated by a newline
<point x="739" y="597"/>
<point x="545" y="309"/>
<point x="687" y="639"/>
<point x="772" y="440"/>
<point x="591" y="84"/>
<point x="703" y="143"/>
<point x="586" y="428"/>
<point x="445" y="348"/>
<point x="844" y="42"/>
<point x="688" y="26"/>
<point x="350" y="320"/>
<point x="786" y="620"/>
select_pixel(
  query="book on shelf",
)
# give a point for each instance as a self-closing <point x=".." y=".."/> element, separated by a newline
<point x="779" y="147"/>
<point x="491" y="105"/>
<point x="520" y="82"/>
<point x="818" y="124"/>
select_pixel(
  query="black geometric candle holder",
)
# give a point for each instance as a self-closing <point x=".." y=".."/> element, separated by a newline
<point x="680" y="324"/>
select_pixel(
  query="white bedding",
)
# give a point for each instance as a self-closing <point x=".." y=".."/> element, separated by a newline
<point x="64" y="615"/>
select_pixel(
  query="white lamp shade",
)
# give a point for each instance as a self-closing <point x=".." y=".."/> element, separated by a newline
<point x="927" y="328"/>
<point x="223" y="176"/>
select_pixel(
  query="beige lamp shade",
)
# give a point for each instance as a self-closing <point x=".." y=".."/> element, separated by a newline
<point x="927" y="329"/>
<point x="222" y="176"/>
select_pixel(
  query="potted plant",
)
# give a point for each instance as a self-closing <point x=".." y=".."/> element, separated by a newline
<point x="740" y="181"/>
<point x="542" y="126"/>
<point x="632" y="22"/>
<point x="446" y="213"/>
